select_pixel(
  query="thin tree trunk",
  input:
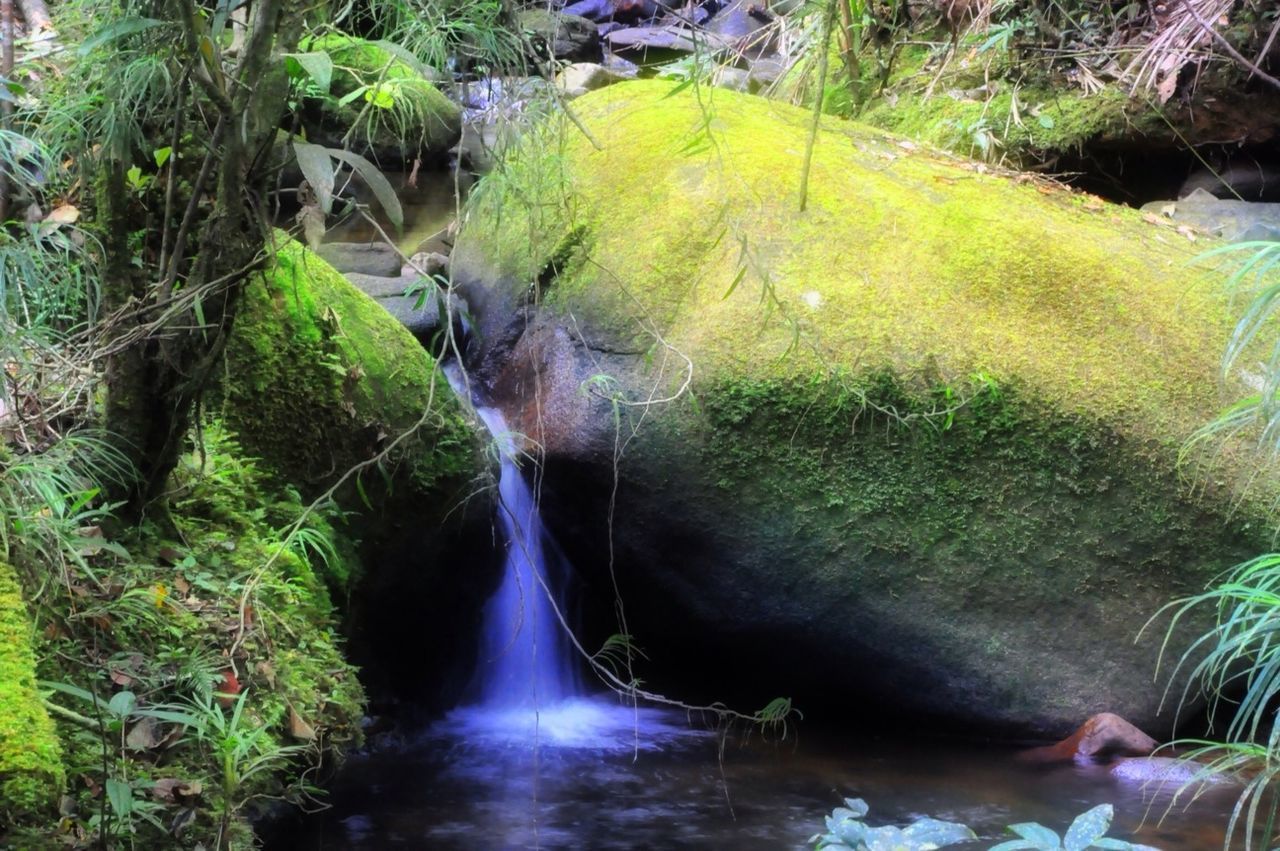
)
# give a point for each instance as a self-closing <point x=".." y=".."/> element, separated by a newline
<point x="6" y="106"/>
<point x="36" y="15"/>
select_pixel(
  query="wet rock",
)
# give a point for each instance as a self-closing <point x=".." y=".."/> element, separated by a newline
<point x="582" y="77"/>
<point x="562" y="36"/>
<point x="1244" y="181"/>
<point x="647" y="41"/>
<point x="365" y="258"/>
<point x="1105" y="734"/>
<point x="1164" y="770"/>
<point x="734" y="79"/>
<point x="621" y="11"/>
<point x="1233" y="220"/>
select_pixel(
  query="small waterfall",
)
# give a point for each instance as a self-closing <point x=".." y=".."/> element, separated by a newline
<point x="526" y="660"/>
<point x="527" y="690"/>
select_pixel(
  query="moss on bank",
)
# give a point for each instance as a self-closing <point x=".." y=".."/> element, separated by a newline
<point x="213" y="605"/>
<point x="322" y="378"/>
<point x="31" y="774"/>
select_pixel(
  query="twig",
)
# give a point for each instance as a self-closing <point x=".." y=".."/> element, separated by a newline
<point x="1230" y="51"/>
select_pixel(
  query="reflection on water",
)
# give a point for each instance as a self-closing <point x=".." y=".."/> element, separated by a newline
<point x="603" y="776"/>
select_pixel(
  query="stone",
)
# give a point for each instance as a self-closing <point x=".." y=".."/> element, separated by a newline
<point x="365" y="258"/>
<point x="1231" y="219"/>
<point x="802" y="509"/>
<point x="1105" y="734"/>
<point x="421" y="320"/>
<point x="1167" y="771"/>
<point x="432" y="263"/>
<point x="566" y="37"/>
<point x="582" y="77"/>
<point x="377" y="286"/>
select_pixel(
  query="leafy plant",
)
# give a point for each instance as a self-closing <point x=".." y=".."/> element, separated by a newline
<point x="1087" y="831"/>
<point x="847" y="832"/>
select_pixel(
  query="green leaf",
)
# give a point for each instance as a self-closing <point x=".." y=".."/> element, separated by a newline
<point x="318" y="66"/>
<point x="934" y="833"/>
<point x="121" y="28"/>
<point x="162" y="155"/>
<point x="1015" y="845"/>
<point x="377" y="182"/>
<point x="317" y="168"/>
<point x="1088" y="827"/>
<point x="120" y="794"/>
<point x="1042" y="836"/>
<point x="123" y="704"/>
<point x="1046" y="121"/>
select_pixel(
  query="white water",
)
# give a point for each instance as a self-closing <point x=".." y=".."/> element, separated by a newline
<point x="528" y="690"/>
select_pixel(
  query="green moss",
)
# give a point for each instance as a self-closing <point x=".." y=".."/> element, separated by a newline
<point x="324" y="379"/>
<point x="408" y="114"/>
<point x="903" y="260"/>
<point x="841" y="474"/>
<point x="31" y="775"/>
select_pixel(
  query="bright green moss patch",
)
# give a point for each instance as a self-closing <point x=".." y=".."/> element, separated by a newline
<point x="903" y="261"/>
<point x="323" y="379"/>
<point x="398" y="110"/>
<point x="31" y="773"/>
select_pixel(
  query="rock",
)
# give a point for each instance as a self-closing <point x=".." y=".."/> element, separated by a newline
<point x="1167" y="771"/>
<point x="917" y="446"/>
<point x="423" y="125"/>
<point x="1241" y="181"/>
<point x="324" y="379"/>
<point x="31" y="773"/>
<point x="582" y="77"/>
<point x="421" y="320"/>
<point x="364" y="258"/>
<point x="651" y="42"/>
<point x="622" y="11"/>
<point x="432" y="263"/>
<point x="734" y="79"/>
<point x="1233" y="220"/>
<point x="566" y="37"/>
<point x="1105" y="734"/>
<point x="376" y="286"/>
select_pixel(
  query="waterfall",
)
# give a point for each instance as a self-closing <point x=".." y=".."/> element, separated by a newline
<point x="525" y="656"/>
<point x="527" y="690"/>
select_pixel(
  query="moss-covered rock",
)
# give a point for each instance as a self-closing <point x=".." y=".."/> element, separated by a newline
<point x="925" y="437"/>
<point x="321" y="379"/>
<point x="400" y="115"/>
<point x="31" y="774"/>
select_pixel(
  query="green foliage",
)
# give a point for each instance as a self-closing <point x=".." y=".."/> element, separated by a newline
<point x="1235" y="666"/>
<point x="847" y="832"/>
<point x="1087" y="831"/>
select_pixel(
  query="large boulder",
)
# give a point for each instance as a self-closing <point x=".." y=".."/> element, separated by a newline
<point x="322" y="379"/>
<point x="913" y="448"/>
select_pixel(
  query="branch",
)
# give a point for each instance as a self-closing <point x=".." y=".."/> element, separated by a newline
<point x="1226" y="46"/>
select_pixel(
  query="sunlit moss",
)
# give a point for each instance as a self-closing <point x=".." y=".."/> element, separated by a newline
<point x="322" y="378"/>
<point x="31" y="774"/>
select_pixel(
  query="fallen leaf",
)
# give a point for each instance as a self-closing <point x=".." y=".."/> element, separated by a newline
<point x="300" y="729"/>
<point x="145" y="735"/>
<point x="169" y="555"/>
<point x="172" y="790"/>
<point x="67" y="214"/>
<point x="267" y="672"/>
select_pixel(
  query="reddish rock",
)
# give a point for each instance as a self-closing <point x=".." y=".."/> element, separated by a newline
<point x="1104" y="734"/>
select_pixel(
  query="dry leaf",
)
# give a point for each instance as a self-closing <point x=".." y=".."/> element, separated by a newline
<point x="144" y="735"/>
<point x="67" y="214"/>
<point x="300" y="729"/>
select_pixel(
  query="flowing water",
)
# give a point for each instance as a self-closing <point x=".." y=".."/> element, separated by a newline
<point x="533" y="760"/>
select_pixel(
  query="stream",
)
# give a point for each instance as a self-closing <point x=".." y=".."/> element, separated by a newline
<point x="533" y="759"/>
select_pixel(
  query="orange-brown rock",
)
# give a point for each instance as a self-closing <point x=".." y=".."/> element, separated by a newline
<point x="1104" y="734"/>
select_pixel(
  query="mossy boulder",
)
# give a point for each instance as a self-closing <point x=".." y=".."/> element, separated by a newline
<point x="31" y="775"/>
<point x="913" y="447"/>
<point x="400" y="115"/>
<point x="321" y="379"/>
